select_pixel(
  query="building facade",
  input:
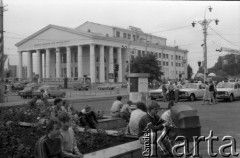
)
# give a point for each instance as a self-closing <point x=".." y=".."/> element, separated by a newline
<point x="93" y="50"/>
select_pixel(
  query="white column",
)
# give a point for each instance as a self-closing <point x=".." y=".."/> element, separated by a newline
<point x="29" y="65"/>
<point x="68" y="62"/>
<point x="102" y="65"/>
<point x="44" y="65"/>
<point x="47" y="54"/>
<point x="111" y="63"/>
<point x="80" y="62"/>
<point x="92" y="63"/>
<point x="20" y="65"/>
<point x="38" y="64"/>
<point x="58" y="63"/>
<point x="119" y="53"/>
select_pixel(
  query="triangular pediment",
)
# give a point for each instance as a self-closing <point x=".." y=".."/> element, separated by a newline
<point x="53" y="33"/>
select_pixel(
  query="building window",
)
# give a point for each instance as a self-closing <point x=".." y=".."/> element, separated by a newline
<point x="160" y="63"/>
<point x="97" y="68"/>
<point x="159" y="55"/>
<point x="172" y="63"/>
<point x="134" y="37"/>
<point x="164" y="63"/>
<point x="105" y="60"/>
<point x="171" y="56"/>
<point x="117" y="34"/>
<point x="97" y="59"/>
<point x="176" y="57"/>
<point x="167" y="56"/>
<point x="124" y="35"/>
<point x="176" y="64"/>
<point x="179" y="64"/>
<point x="163" y="56"/>
<point x="129" y="36"/>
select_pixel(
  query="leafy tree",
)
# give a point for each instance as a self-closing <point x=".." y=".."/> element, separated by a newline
<point x="230" y="68"/>
<point x="147" y="64"/>
<point x="189" y="72"/>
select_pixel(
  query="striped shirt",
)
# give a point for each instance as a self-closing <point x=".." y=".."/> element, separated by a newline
<point x="48" y="148"/>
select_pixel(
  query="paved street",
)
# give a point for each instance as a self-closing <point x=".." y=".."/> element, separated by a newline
<point x="222" y="118"/>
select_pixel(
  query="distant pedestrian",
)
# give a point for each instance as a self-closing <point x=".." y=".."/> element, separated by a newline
<point x="164" y="91"/>
<point x="171" y="94"/>
<point x="211" y="90"/>
<point x="206" y="96"/>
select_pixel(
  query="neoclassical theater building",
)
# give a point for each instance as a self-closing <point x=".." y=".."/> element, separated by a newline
<point x="94" y="50"/>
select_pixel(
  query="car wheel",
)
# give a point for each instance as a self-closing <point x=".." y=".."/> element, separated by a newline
<point x="231" y="98"/>
<point x="192" y="97"/>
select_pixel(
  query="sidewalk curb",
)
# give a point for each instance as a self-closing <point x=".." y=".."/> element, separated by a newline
<point x="71" y="100"/>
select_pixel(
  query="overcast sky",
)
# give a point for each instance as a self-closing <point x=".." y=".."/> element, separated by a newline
<point x="169" y="19"/>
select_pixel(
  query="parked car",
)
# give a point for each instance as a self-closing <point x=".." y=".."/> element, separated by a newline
<point x="228" y="90"/>
<point x="157" y="93"/>
<point x="106" y="87"/>
<point x="27" y="91"/>
<point x="53" y="91"/>
<point x="81" y="86"/>
<point x="192" y="91"/>
<point x="17" y="87"/>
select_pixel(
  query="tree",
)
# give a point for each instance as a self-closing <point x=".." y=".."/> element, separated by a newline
<point x="189" y="72"/>
<point x="147" y="64"/>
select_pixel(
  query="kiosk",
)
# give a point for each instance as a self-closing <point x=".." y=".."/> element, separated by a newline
<point x="138" y="87"/>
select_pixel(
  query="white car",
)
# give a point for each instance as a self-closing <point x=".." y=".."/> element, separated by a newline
<point x="228" y="90"/>
<point x="157" y="93"/>
<point x="192" y="91"/>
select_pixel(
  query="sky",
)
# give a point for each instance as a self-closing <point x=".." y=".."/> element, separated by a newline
<point x="168" y="19"/>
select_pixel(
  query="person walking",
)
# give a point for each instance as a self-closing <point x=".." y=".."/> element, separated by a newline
<point x="206" y="96"/>
<point x="211" y="90"/>
<point x="164" y="91"/>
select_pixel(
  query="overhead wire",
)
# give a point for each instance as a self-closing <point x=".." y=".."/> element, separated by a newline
<point x="223" y="37"/>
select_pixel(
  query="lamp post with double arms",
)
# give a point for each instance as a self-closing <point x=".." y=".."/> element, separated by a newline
<point x="205" y="23"/>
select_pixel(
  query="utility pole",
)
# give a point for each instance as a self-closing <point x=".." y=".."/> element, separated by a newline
<point x="205" y="23"/>
<point x="2" y="60"/>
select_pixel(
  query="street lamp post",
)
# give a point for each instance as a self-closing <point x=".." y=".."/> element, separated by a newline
<point x="205" y="23"/>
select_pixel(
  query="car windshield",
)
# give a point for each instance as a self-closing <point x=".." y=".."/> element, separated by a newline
<point x="225" y="85"/>
<point x="190" y="85"/>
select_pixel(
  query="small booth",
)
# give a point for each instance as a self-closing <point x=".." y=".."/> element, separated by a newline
<point x="138" y="87"/>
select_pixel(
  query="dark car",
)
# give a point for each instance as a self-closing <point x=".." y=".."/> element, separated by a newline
<point x="17" y="87"/>
<point x="52" y="91"/>
<point x="27" y="91"/>
<point x="81" y="86"/>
